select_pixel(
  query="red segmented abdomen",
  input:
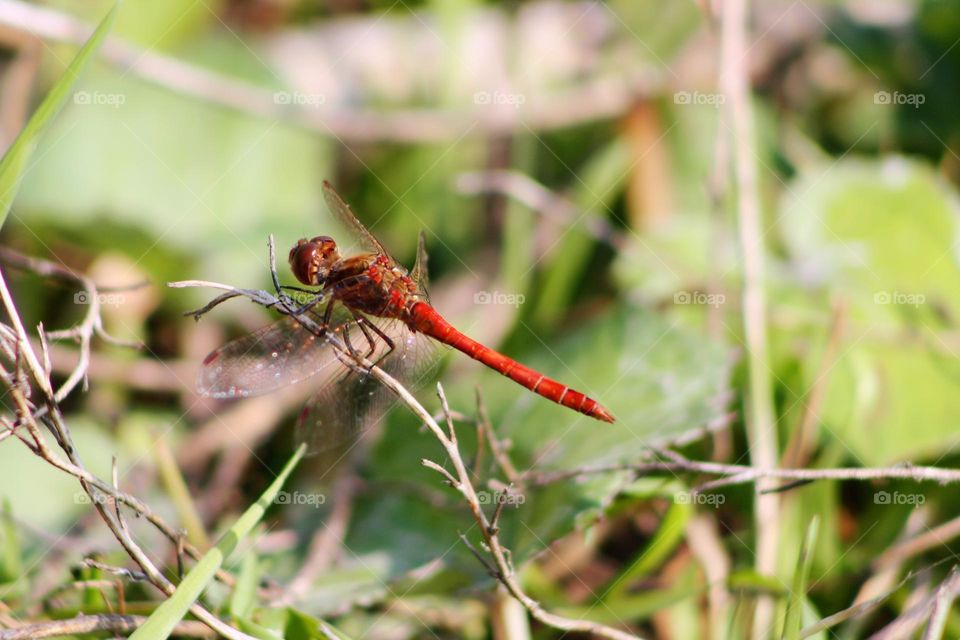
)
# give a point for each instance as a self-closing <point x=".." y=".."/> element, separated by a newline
<point x="425" y="319"/>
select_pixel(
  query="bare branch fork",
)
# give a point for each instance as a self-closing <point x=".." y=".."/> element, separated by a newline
<point x="14" y="342"/>
<point x="29" y="367"/>
<point x="498" y="563"/>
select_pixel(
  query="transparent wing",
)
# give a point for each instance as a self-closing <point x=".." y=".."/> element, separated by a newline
<point x="419" y="273"/>
<point x="344" y="215"/>
<point x="337" y="414"/>
<point x="280" y="354"/>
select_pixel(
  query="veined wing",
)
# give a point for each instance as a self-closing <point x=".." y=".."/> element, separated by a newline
<point x="419" y="273"/>
<point x="280" y="354"/>
<point x="344" y="215"/>
<point x="339" y="412"/>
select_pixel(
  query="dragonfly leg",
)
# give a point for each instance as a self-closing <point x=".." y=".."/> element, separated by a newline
<point x="366" y="326"/>
<point x="346" y="340"/>
<point x="349" y="363"/>
<point x="362" y="322"/>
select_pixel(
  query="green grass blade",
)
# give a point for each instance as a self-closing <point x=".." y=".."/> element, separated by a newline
<point x="798" y="591"/>
<point x="11" y="565"/>
<point x="162" y="621"/>
<point x="14" y="161"/>
<point x="244" y="595"/>
<point x="668" y="537"/>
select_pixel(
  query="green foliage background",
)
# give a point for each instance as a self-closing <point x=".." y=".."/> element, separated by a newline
<point x="860" y="213"/>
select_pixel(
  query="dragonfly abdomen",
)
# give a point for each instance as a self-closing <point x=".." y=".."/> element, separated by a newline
<point x="425" y="319"/>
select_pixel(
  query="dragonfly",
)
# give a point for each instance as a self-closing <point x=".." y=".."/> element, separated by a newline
<point x="376" y="309"/>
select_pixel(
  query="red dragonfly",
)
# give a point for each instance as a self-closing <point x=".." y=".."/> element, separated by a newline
<point x="368" y="295"/>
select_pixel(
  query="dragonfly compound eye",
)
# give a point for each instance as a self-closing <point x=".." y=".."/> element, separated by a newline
<point x="310" y="260"/>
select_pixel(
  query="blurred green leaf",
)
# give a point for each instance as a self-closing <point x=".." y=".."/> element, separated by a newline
<point x="11" y="564"/>
<point x="669" y="535"/>
<point x="244" y="594"/>
<point x="597" y="185"/>
<point x="14" y="162"/>
<point x="880" y="236"/>
<point x="152" y="173"/>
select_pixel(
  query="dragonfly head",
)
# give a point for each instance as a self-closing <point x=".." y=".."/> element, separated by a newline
<point x="311" y="260"/>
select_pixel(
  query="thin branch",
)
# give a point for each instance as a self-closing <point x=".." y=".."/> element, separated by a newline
<point x="734" y="474"/>
<point x="504" y="571"/>
<point x="907" y="623"/>
<point x="761" y="427"/>
<point x="600" y="98"/>
<point x="942" y="602"/>
<point x="497" y="447"/>
<point x="112" y="623"/>
<point x="430" y="464"/>
<point x="861" y="609"/>
<point x="917" y="544"/>
<point x="123" y="572"/>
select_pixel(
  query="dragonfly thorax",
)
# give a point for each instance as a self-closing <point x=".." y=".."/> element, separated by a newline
<point x="311" y="260"/>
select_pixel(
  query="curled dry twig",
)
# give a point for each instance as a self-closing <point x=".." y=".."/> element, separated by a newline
<point x="32" y="413"/>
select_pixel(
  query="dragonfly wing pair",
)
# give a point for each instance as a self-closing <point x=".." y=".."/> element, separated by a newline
<point x="346" y="400"/>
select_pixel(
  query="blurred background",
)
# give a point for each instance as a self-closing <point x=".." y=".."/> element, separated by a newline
<point x="569" y="163"/>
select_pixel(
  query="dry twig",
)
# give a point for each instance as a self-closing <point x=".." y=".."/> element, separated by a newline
<point x="111" y="623"/>
<point x="30" y="415"/>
